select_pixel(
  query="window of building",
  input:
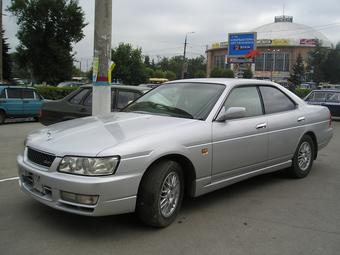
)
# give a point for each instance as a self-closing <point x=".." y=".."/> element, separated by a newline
<point x="272" y="61"/>
<point x="219" y="61"/>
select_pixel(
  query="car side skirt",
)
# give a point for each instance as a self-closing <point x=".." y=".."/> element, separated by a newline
<point x="204" y="185"/>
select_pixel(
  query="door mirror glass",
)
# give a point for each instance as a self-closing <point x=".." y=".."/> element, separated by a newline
<point x="232" y="113"/>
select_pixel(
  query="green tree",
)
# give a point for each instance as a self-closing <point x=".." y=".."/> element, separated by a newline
<point x="6" y="59"/>
<point x="149" y="72"/>
<point x="222" y="73"/>
<point x="129" y="68"/>
<point x="297" y="76"/>
<point x="331" y="67"/>
<point x="47" y="31"/>
<point x="200" y="74"/>
<point x="159" y="74"/>
<point x="170" y="75"/>
<point x="247" y="74"/>
<point x="316" y="62"/>
<point x="195" y="66"/>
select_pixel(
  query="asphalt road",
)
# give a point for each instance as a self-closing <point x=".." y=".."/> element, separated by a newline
<point x="269" y="214"/>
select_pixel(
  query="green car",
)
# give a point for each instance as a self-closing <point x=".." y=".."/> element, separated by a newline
<point x="19" y="102"/>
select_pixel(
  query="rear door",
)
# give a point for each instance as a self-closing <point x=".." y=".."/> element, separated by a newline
<point x="31" y="103"/>
<point x="333" y="103"/>
<point x="13" y="104"/>
<point x="284" y="124"/>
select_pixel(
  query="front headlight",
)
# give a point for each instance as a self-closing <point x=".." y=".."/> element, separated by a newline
<point x="89" y="166"/>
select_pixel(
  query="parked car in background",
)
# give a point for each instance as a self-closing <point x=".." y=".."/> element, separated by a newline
<point x="70" y="84"/>
<point x="18" y="102"/>
<point x="79" y="103"/>
<point x="328" y="98"/>
<point x="185" y="138"/>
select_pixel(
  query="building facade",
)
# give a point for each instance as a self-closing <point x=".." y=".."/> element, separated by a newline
<point x="278" y="44"/>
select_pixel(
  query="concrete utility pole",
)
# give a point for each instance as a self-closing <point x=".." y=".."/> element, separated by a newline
<point x="101" y="101"/>
<point x="184" y="66"/>
<point x="1" y="60"/>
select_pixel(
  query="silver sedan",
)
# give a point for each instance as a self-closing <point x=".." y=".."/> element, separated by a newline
<point x="185" y="138"/>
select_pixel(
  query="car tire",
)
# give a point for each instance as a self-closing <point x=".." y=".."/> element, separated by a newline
<point x="303" y="158"/>
<point x="2" y="117"/>
<point x="160" y="194"/>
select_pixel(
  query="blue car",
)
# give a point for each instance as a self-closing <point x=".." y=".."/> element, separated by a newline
<point x="18" y="102"/>
<point x="328" y="98"/>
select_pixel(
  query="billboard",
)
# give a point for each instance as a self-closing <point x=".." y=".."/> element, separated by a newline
<point x="311" y="42"/>
<point x="240" y="44"/>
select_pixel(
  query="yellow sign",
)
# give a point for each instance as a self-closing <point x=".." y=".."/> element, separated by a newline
<point x="280" y="42"/>
<point x="215" y="45"/>
<point x="109" y="73"/>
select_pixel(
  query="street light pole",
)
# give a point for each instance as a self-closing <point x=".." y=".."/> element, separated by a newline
<point x="184" y="67"/>
<point x="101" y="103"/>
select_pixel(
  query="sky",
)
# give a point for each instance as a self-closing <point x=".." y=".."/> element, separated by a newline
<point x="159" y="27"/>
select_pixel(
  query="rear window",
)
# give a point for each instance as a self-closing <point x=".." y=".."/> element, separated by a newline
<point x="77" y="99"/>
<point x="28" y="94"/>
<point x="333" y="97"/>
<point x="14" y="93"/>
<point x="275" y="100"/>
<point x="319" y="96"/>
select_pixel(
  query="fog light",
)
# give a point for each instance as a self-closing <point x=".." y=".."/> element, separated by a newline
<point x="79" y="199"/>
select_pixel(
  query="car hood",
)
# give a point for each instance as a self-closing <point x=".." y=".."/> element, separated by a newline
<point x="89" y="136"/>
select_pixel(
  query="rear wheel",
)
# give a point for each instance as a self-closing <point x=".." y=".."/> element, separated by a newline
<point x="2" y="117"/>
<point x="303" y="158"/>
<point x="160" y="194"/>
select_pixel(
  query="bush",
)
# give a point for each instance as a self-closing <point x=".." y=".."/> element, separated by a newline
<point x="54" y="93"/>
<point x="302" y="92"/>
<point x="222" y="73"/>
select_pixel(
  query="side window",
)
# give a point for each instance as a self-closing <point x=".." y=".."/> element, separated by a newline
<point x="88" y="100"/>
<point x="333" y="97"/>
<point x="14" y="93"/>
<point x="246" y="97"/>
<point x="310" y="97"/>
<point x="28" y="94"/>
<point x="3" y="94"/>
<point x="125" y="97"/>
<point x="79" y="97"/>
<point x="275" y="100"/>
<point x="319" y="96"/>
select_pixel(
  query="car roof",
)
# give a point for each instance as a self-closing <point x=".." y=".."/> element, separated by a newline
<point x="326" y="90"/>
<point x="225" y="81"/>
<point x="14" y="87"/>
<point x="139" y="88"/>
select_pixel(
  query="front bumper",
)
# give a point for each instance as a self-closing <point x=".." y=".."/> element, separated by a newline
<point x="117" y="193"/>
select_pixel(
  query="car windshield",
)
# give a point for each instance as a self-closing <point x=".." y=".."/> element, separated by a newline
<point x="183" y="100"/>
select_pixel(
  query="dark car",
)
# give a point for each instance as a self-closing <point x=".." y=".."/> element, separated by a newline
<point x="79" y="103"/>
<point x="18" y="102"/>
<point x="329" y="98"/>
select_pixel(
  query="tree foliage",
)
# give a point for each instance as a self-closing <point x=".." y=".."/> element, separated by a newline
<point x="297" y="76"/>
<point x="332" y="65"/>
<point x="130" y="68"/>
<point x="47" y="30"/>
<point x="6" y="59"/>
<point x="316" y="62"/>
<point x="222" y="73"/>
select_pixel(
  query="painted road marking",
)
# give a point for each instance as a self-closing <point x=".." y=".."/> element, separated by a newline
<point x="10" y="179"/>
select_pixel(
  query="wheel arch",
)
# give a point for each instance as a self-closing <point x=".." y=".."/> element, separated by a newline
<point x="188" y="168"/>
<point x="315" y="142"/>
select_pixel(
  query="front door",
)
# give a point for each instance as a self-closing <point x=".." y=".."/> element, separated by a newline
<point x="240" y="145"/>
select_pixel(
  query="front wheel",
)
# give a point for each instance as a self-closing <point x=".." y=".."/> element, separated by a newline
<point x="303" y="158"/>
<point x="160" y="194"/>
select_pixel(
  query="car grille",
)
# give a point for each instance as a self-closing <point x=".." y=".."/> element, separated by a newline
<point x="40" y="158"/>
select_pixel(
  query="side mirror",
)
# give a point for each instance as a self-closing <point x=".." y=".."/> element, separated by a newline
<point x="232" y="113"/>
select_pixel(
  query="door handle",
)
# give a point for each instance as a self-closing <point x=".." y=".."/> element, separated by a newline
<point x="302" y="118"/>
<point x="262" y="125"/>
